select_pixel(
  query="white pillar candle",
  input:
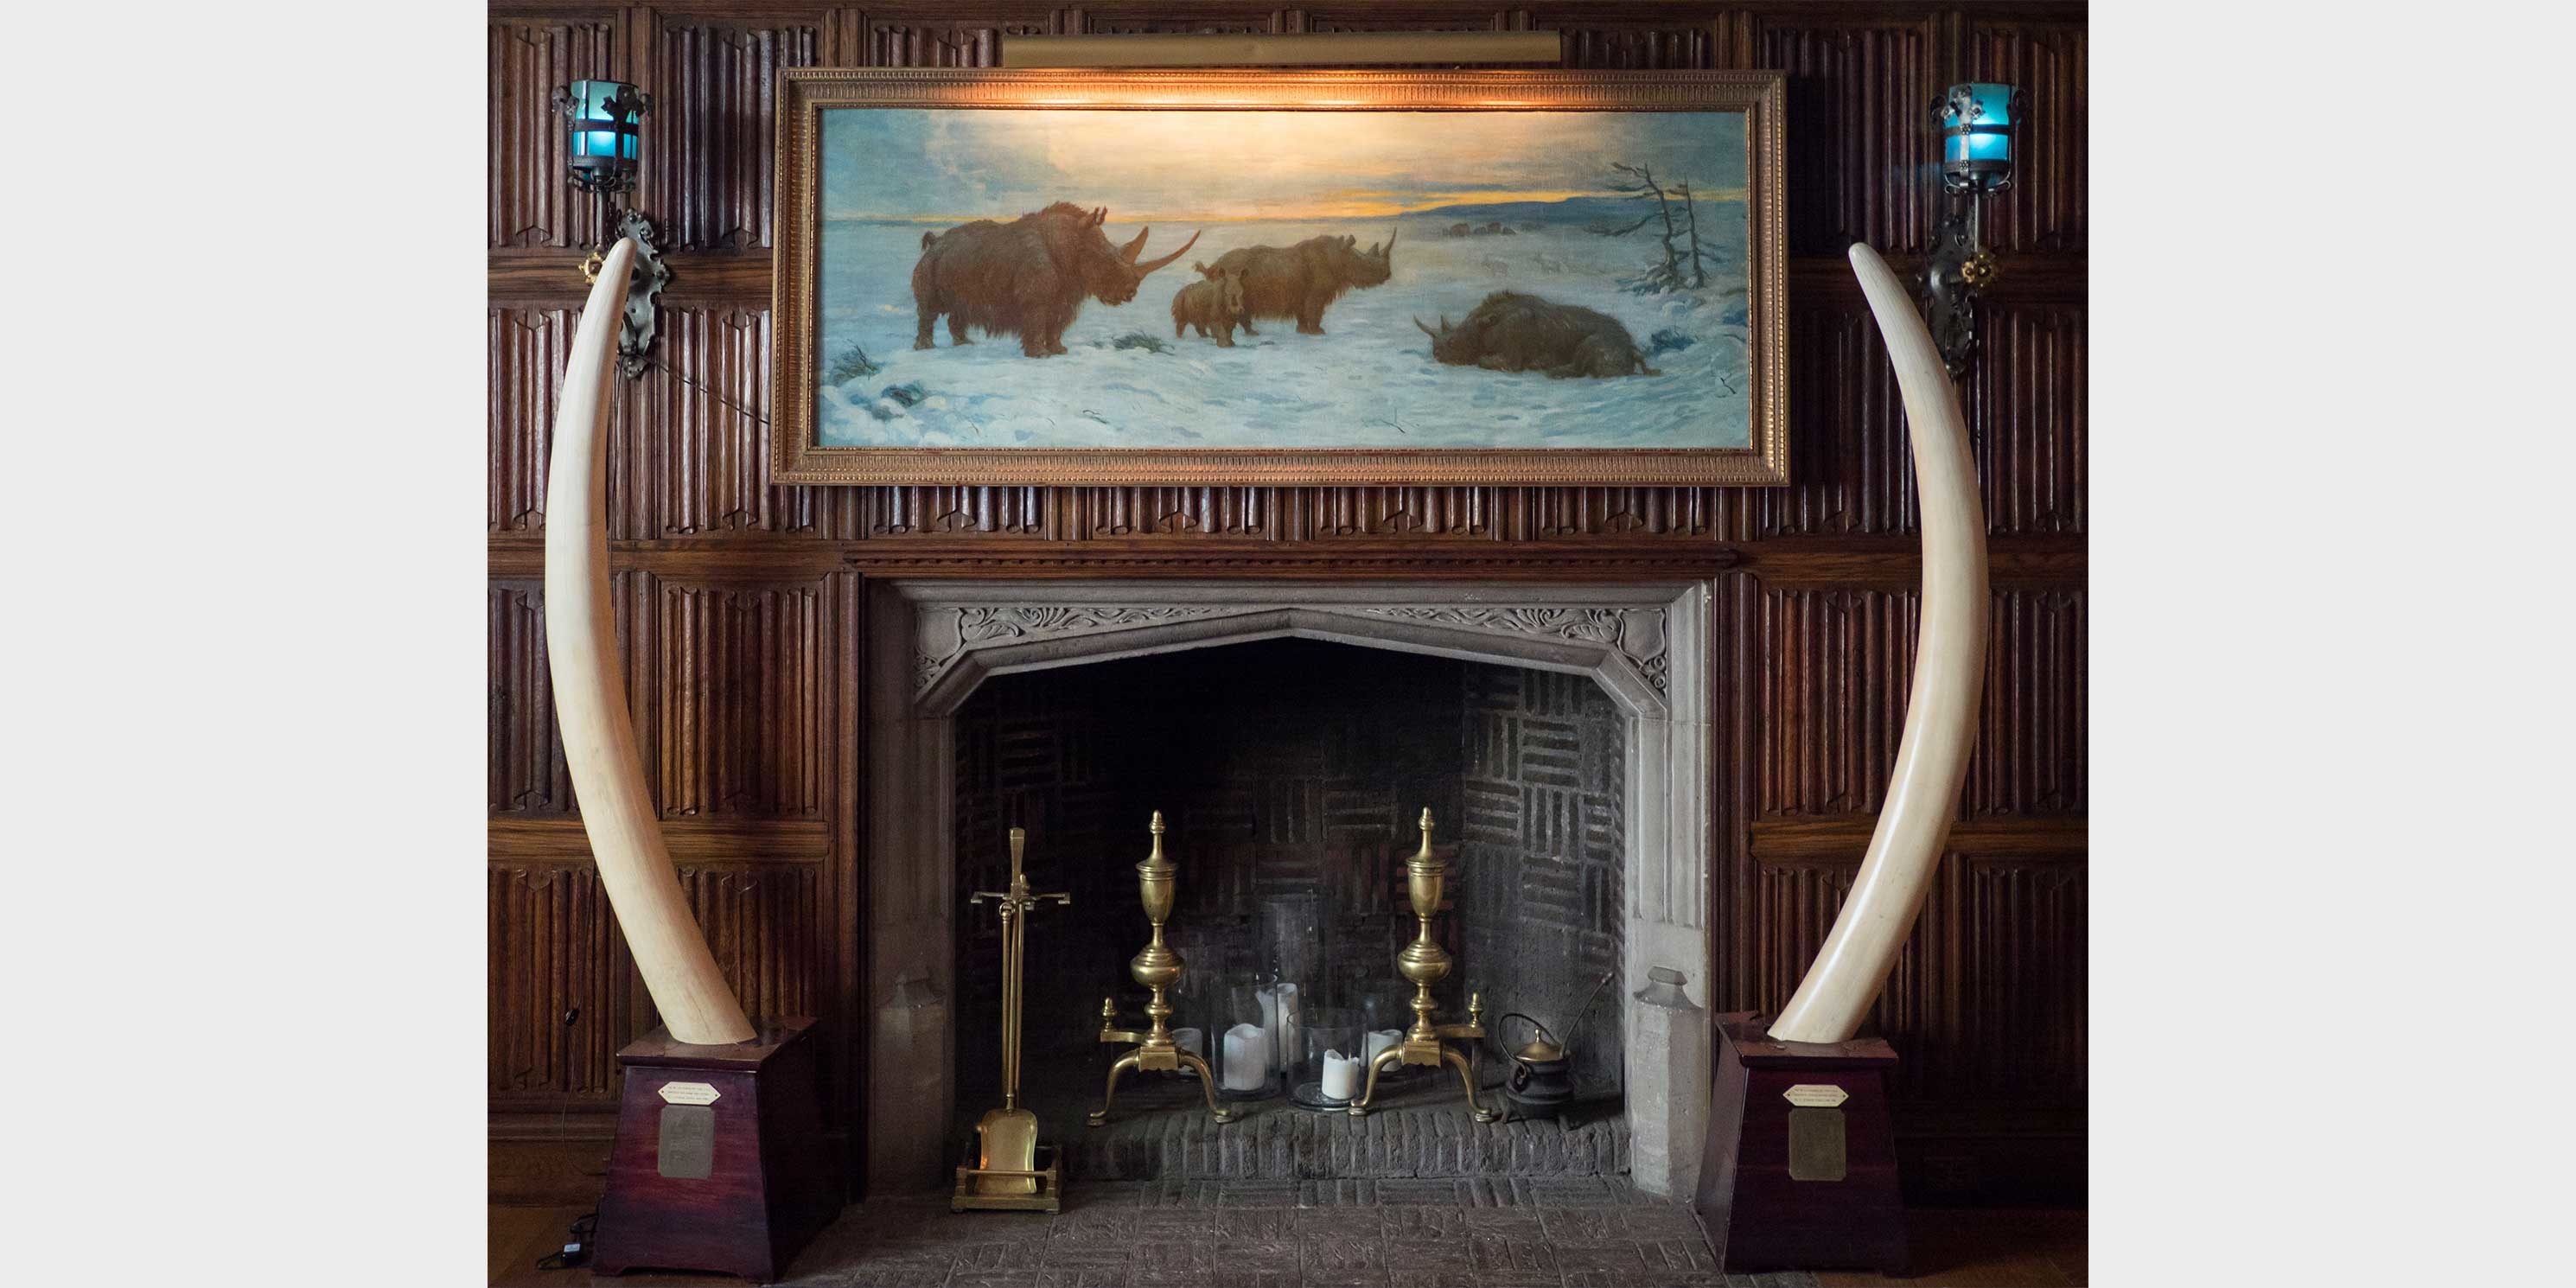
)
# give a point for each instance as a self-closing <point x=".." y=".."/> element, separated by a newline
<point x="1247" y="1058"/>
<point x="1341" y="1076"/>
<point x="1279" y="1011"/>
<point x="1381" y="1039"/>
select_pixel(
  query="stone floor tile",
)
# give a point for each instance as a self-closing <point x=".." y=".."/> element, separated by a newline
<point x="1107" y="1224"/>
<point x="1583" y="1224"/>
<point x="1407" y="1259"/>
<point x="1087" y="1254"/>
<point x="1017" y="1255"/>
<point x="1662" y="1221"/>
<point x="1618" y="1258"/>
<point x="1345" y="1222"/>
<point x="1486" y="1279"/>
<point x="1511" y="1253"/>
<point x="1427" y="1222"/>
<point x="1325" y="1259"/>
<point x="879" y="1272"/>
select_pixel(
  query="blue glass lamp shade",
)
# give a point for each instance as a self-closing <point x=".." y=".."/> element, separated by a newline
<point x="1978" y="122"/>
<point x="602" y="118"/>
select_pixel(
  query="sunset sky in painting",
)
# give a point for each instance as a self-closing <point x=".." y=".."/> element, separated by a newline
<point x="954" y="165"/>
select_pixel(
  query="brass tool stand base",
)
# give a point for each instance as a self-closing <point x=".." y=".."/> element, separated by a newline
<point x="979" y="1190"/>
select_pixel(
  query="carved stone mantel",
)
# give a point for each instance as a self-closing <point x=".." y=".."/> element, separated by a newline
<point x="933" y="642"/>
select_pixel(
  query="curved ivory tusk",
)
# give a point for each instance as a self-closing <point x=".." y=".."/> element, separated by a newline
<point x="590" y="704"/>
<point x="1940" y="717"/>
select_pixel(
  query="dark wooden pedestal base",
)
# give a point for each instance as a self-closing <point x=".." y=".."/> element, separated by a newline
<point x="1801" y="1165"/>
<point x="720" y="1161"/>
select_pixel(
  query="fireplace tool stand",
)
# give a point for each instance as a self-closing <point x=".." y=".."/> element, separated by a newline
<point x="1006" y="1175"/>
<point x="1426" y="963"/>
<point x="1157" y="968"/>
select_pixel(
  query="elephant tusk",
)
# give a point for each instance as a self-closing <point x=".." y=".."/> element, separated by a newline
<point x="1940" y="716"/>
<point x="590" y="702"/>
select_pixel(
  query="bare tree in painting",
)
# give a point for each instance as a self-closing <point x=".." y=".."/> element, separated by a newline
<point x="1685" y="260"/>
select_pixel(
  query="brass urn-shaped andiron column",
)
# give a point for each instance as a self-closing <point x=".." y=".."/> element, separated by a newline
<point x="1157" y="967"/>
<point x="1007" y="1174"/>
<point x="1427" y="963"/>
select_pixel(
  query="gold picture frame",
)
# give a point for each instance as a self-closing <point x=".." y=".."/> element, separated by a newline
<point x="806" y="94"/>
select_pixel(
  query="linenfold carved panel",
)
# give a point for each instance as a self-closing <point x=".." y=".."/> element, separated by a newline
<point x="525" y="762"/>
<point x="556" y="986"/>
<point x="765" y="924"/>
<point x="1609" y="46"/>
<point x="2025" y="401"/>
<point x="529" y="350"/>
<point x="532" y="206"/>
<point x="1860" y="99"/>
<point x="739" y="700"/>
<point x="710" y="146"/>
<point x="2044" y="209"/>
<point x="696" y="428"/>
<point x="912" y="43"/>
<point x="1837" y="666"/>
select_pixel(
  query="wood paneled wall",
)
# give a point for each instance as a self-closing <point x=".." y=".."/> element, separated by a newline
<point x="739" y="602"/>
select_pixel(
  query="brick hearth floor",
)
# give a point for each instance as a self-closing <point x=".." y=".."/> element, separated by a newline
<point x="1560" y="1232"/>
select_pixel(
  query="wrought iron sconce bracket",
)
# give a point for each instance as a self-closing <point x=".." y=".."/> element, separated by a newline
<point x="1979" y="126"/>
<point x="607" y="114"/>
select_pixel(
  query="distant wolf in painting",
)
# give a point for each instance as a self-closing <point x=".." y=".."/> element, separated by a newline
<point x="1028" y="277"/>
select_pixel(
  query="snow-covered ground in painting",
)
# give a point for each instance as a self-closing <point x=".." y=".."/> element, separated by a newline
<point x="1369" y="381"/>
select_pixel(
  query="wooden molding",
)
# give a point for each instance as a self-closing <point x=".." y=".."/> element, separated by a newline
<point x="1841" y="838"/>
<point x="560" y="839"/>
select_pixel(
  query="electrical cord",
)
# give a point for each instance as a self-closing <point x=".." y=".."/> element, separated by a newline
<point x="576" y="1249"/>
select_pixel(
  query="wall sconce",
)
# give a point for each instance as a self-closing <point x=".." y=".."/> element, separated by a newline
<point x="602" y="122"/>
<point x="1978" y="123"/>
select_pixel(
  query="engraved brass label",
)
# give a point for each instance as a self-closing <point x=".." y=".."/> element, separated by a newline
<point x="688" y="1144"/>
<point x="1823" y="1095"/>
<point x="1816" y="1144"/>
<point x="688" y="1093"/>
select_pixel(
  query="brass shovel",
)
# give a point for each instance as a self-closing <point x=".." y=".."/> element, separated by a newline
<point x="1010" y="1133"/>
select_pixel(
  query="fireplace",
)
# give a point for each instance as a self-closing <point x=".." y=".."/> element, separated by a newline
<point x="1291" y="736"/>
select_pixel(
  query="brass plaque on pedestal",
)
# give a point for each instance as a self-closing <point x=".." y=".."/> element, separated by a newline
<point x="1816" y="1150"/>
<point x="687" y="1150"/>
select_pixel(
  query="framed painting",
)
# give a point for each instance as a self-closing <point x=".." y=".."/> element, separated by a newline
<point x="1113" y="277"/>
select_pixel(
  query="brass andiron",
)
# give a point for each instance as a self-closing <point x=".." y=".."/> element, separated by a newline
<point x="1427" y="963"/>
<point x="1157" y="967"/>
<point x="1007" y="1174"/>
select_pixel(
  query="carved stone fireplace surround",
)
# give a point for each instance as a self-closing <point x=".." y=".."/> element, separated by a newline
<point x="933" y="642"/>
